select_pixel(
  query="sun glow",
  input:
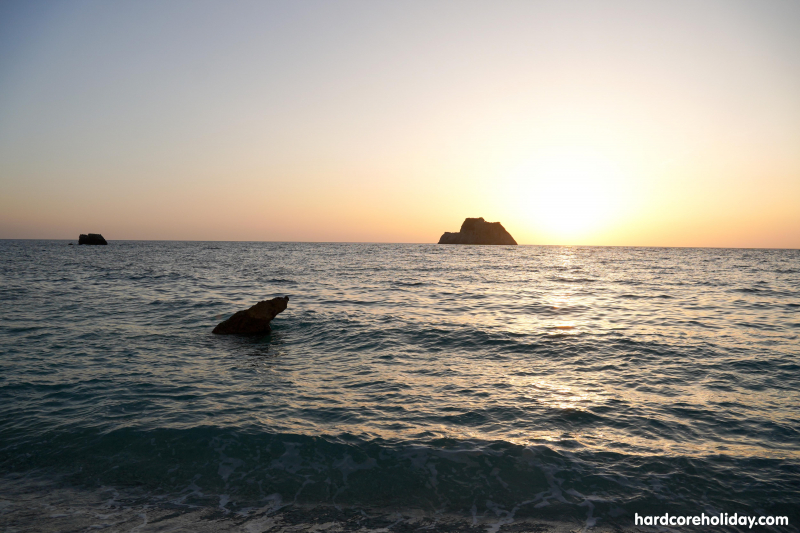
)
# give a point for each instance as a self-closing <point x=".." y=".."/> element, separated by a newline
<point x="567" y="196"/>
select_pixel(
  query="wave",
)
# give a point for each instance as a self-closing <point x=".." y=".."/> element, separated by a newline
<point x="244" y="467"/>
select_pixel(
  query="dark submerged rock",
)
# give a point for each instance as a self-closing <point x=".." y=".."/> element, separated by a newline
<point x="253" y="321"/>
<point x="478" y="231"/>
<point x="92" y="238"/>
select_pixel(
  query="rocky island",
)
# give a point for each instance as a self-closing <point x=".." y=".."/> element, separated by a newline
<point x="478" y="231"/>
<point x="92" y="238"/>
<point x="253" y="321"/>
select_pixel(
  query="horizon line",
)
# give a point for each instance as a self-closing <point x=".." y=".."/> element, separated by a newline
<point x="417" y="243"/>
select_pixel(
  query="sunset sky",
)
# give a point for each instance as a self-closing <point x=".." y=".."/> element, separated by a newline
<point x="643" y="123"/>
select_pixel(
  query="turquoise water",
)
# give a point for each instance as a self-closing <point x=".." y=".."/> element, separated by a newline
<point x="571" y="384"/>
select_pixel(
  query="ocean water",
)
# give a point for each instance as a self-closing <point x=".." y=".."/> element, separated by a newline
<point x="406" y="387"/>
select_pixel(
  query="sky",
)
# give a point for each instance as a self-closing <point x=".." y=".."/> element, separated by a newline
<point x="622" y="123"/>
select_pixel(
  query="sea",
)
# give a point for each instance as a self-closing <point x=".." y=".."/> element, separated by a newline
<point x="407" y="387"/>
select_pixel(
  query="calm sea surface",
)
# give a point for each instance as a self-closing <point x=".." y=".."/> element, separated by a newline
<point x="572" y="385"/>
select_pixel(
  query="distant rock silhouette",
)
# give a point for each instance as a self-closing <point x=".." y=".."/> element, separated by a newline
<point x="478" y="231"/>
<point x="253" y="321"/>
<point x="92" y="238"/>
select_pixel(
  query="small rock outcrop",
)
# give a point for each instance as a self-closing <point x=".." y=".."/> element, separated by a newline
<point x="92" y="238"/>
<point x="478" y="231"/>
<point x="253" y="321"/>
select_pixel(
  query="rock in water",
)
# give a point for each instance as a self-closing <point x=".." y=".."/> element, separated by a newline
<point x="92" y="238"/>
<point x="478" y="231"/>
<point x="253" y="321"/>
